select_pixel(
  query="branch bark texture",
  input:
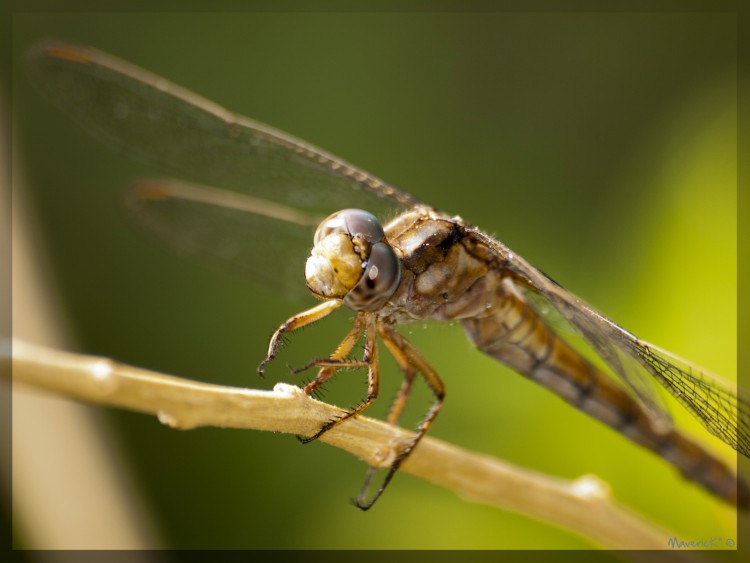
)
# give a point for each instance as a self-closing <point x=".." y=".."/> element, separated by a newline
<point x="583" y="506"/>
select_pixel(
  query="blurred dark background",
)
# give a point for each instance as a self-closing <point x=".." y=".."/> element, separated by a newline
<point x="601" y="147"/>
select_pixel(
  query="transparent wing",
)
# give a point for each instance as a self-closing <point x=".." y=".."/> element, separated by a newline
<point x="237" y="232"/>
<point x="193" y="139"/>
<point x="714" y="402"/>
<point x="643" y="385"/>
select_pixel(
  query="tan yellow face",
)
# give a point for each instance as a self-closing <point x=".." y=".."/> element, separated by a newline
<point x="352" y="261"/>
<point x="333" y="267"/>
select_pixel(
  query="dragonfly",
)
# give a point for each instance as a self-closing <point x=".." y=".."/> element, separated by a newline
<point x="244" y="195"/>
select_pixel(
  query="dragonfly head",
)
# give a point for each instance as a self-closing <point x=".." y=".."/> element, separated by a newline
<point x="352" y="261"/>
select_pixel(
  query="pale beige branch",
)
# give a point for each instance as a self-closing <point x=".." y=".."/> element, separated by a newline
<point x="583" y="506"/>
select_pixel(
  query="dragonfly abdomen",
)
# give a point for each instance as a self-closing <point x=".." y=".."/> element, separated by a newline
<point x="512" y="332"/>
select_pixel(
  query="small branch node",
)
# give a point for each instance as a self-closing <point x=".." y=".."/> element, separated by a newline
<point x="286" y="390"/>
<point x="169" y="419"/>
<point x="590" y="487"/>
<point x="385" y="455"/>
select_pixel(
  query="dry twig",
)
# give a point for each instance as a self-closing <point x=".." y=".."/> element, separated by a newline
<point x="583" y="506"/>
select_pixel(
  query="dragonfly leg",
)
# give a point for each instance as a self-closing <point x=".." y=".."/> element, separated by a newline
<point x="410" y="361"/>
<point x="403" y="394"/>
<point x="297" y="321"/>
<point x="397" y="408"/>
<point x="341" y="353"/>
<point x="370" y="360"/>
<point x="330" y="364"/>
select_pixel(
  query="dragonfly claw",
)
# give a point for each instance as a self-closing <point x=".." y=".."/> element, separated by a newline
<point x="262" y="366"/>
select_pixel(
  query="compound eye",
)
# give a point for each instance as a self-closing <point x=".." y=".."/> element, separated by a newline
<point x="353" y="222"/>
<point x="378" y="282"/>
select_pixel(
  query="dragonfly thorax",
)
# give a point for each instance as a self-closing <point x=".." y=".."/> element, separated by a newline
<point x="351" y="261"/>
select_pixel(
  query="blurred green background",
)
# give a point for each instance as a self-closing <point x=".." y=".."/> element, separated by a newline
<point x="601" y="147"/>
